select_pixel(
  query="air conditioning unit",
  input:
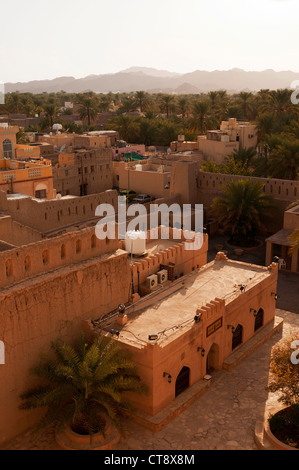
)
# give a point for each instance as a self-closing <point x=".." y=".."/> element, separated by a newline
<point x="152" y="281"/>
<point x="162" y="276"/>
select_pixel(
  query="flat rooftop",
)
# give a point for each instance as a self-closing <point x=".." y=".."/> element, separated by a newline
<point x="281" y="237"/>
<point x="172" y="311"/>
<point x="294" y="209"/>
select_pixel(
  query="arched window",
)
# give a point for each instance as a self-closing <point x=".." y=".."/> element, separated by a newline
<point x="62" y="252"/>
<point x="8" y="268"/>
<point x="93" y="241"/>
<point x="7" y="148"/>
<point x="27" y="264"/>
<point x="78" y="246"/>
<point x="237" y="336"/>
<point x="182" y="381"/>
<point x="259" y="319"/>
<point x="45" y="257"/>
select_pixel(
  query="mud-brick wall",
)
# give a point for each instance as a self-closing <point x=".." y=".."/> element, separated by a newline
<point x="54" y="214"/>
<point x="38" y="311"/>
<point x="284" y="193"/>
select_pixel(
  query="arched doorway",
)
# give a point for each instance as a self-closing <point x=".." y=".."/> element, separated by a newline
<point x="213" y="359"/>
<point x="182" y="381"/>
<point x="7" y="148"/>
<point x="259" y="319"/>
<point x="237" y="336"/>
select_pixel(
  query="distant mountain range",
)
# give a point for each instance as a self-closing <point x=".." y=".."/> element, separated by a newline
<point x="155" y="81"/>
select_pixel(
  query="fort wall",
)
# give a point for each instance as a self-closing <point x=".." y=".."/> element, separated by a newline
<point x="284" y="192"/>
<point x="45" y="216"/>
<point x="39" y="310"/>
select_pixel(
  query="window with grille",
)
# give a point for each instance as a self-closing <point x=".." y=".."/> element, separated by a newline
<point x="7" y="148"/>
<point x="41" y="194"/>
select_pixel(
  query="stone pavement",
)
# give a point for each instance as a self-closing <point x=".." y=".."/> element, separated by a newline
<point x="223" y="418"/>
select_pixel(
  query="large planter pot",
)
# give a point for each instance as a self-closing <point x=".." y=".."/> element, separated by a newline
<point x="279" y="445"/>
<point x="69" y="440"/>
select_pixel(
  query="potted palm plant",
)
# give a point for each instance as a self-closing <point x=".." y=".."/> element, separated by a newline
<point x="84" y="391"/>
<point x="242" y="210"/>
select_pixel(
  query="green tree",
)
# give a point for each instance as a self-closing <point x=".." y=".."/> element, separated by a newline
<point x="183" y="105"/>
<point x="50" y="110"/>
<point x="242" y="210"/>
<point x="284" y="160"/>
<point x="202" y="119"/>
<point x="228" y="167"/>
<point x="213" y="95"/>
<point x="127" y="126"/>
<point x="278" y="103"/>
<point x="13" y="102"/>
<point x="148" y="131"/>
<point x="245" y="100"/>
<point x="266" y="124"/>
<point x="81" y="383"/>
<point x="141" y="99"/>
<point x="167" y="132"/>
<point x="88" y="107"/>
<point x="284" y="375"/>
<point x="244" y="156"/>
<point x="166" y="104"/>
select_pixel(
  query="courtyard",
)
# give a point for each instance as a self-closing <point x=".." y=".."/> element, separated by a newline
<point x="223" y="418"/>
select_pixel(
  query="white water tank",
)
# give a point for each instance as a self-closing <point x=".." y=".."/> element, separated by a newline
<point x="136" y="242"/>
<point x="138" y="167"/>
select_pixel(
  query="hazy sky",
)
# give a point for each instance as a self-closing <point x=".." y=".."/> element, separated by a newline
<point x="43" y="40"/>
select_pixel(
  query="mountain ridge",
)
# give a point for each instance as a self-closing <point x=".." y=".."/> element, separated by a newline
<point x="138" y="78"/>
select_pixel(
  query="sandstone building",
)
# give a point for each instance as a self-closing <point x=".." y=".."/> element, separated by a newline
<point x="22" y="168"/>
<point x="83" y="171"/>
<point x="218" y="144"/>
<point x="202" y="322"/>
<point x="279" y="244"/>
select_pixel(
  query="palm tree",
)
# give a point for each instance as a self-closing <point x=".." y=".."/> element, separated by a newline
<point x="213" y="97"/>
<point x="278" y="103"/>
<point x="13" y="102"/>
<point x="245" y="99"/>
<point x="244" y="156"/>
<point x="83" y="383"/>
<point x="147" y="131"/>
<point x="202" y="119"/>
<point x="266" y="124"/>
<point x="183" y="105"/>
<point x="141" y="100"/>
<point x="127" y="126"/>
<point x="242" y="209"/>
<point x="50" y="110"/>
<point x="104" y="103"/>
<point x="88" y="107"/>
<point x="128" y="104"/>
<point x="166" y="104"/>
<point x="284" y="160"/>
<point x="167" y="132"/>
